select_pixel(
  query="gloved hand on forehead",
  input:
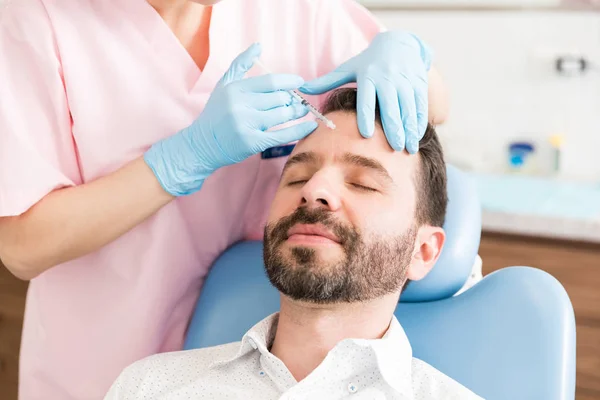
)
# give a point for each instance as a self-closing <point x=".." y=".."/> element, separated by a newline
<point x="393" y="70"/>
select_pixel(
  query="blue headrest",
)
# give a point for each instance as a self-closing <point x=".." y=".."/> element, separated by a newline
<point x="511" y="336"/>
<point x="463" y="233"/>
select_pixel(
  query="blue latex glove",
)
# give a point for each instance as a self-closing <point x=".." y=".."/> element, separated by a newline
<point x="231" y="128"/>
<point x="394" y="67"/>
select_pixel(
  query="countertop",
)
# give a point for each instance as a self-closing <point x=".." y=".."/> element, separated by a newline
<point x="538" y="206"/>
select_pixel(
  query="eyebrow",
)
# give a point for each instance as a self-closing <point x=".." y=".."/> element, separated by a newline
<point x="348" y="158"/>
<point x="301" y="158"/>
<point x="369" y="163"/>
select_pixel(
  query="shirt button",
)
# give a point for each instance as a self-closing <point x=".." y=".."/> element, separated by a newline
<point x="253" y="344"/>
<point x="352" y="388"/>
<point x="262" y="373"/>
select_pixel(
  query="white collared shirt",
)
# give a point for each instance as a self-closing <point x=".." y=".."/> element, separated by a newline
<point x="363" y="369"/>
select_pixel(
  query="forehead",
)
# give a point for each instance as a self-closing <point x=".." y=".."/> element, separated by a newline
<point x="330" y="145"/>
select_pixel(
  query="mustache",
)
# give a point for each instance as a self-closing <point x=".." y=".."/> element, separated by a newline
<point x="303" y="215"/>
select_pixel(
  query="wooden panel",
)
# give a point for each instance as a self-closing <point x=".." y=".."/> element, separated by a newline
<point x="12" y="306"/>
<point x="577" y="267"/>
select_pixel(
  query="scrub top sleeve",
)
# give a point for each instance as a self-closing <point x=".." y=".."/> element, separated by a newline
<point x="37" y="150"/>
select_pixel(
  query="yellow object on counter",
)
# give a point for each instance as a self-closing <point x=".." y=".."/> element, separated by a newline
<point x="556" y="140"/>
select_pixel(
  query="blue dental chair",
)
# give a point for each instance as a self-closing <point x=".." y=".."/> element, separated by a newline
<point x="511" y="336"/>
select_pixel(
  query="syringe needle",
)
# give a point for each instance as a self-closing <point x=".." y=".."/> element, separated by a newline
<point x="329" y="123"/>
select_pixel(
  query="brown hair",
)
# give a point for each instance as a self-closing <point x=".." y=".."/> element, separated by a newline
<point x="432" y="195"/>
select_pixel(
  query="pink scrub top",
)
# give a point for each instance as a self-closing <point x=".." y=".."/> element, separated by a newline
<point x="87" y="86"/>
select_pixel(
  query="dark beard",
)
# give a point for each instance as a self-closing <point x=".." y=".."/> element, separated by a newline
<point x="371" y="267"/>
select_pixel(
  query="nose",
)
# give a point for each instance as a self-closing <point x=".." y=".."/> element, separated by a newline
<point x="321" y="192"/>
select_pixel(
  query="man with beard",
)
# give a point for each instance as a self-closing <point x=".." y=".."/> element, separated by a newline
<point x="351" y="223"/>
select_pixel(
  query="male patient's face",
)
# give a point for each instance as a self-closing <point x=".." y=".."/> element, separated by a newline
<point x="341" y="227"/>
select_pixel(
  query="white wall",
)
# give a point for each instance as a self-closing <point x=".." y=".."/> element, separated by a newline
<point x="499" y="69"/>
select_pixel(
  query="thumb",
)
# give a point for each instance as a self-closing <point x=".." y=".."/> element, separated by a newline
<point x="242" y="64"/>
<point x="340" y="76"/>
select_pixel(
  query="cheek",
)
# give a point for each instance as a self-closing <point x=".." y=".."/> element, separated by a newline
<point x="283" y="205"/>
<point x="379" y="216"/>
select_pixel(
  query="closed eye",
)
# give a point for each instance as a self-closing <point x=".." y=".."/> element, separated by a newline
<point x="362" y="187"/>
<point x="299" y="182"/>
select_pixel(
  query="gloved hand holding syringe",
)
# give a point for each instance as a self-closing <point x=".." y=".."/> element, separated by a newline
<point x="329" y="123"/>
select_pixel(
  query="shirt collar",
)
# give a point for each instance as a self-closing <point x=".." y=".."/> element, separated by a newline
<point x="392" y="354"/>
<point x="259" y="337"/>
<point x="394" y="358"/>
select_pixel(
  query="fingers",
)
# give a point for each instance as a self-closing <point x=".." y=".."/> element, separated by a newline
<point x="281" y="115"/>
<point x="340" y="76"/>
<point x="241" y="64"/>
<point x="268" y="101"/>
<point x="422" y="104"/>
<point x="408" y="112"/>
<point x="365" y="106"/>
<point x="271" y="83"/>
<point x="422" y="121"/>
<point x="289" y="134"/>
<point x="389" y="109"/>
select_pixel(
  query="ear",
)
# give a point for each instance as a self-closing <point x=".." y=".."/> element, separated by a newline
<point x="428" y="247"/>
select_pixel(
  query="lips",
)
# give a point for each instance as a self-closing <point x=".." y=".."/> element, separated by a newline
<point x="316" y="230"/>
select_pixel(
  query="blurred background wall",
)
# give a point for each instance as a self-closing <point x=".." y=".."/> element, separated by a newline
<point x="500" y="69"/>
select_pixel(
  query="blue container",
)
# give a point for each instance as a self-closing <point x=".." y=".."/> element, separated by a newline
<point x="518" y="153"/>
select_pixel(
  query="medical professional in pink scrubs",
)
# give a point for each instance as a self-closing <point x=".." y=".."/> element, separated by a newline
<point x="134" y="149"/>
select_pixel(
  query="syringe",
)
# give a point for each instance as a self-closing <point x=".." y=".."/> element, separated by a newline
<point x="329" y="123"/>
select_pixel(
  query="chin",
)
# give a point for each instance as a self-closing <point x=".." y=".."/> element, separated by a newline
<point x="313" y="255"/>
